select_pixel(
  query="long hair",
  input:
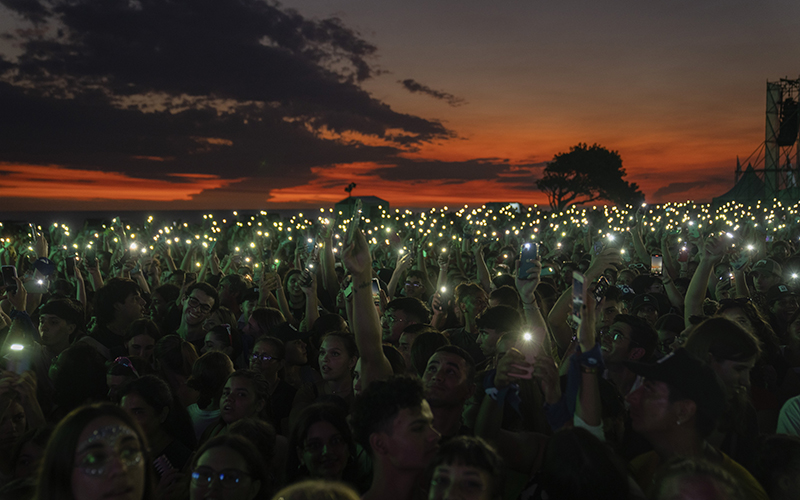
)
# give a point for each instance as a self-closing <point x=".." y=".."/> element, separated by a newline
<point x="257" y="467"/>
<point x="156" y="393"/>
<point x="58" y="462"/>
<point x="319" y="412"/>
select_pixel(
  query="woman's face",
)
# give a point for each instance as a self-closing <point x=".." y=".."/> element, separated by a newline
<point x="141" y="346"/>
<point x="109" y="462"/>
<point x="28" y="461"/>
<point x="335" y="363"/>
<point x="12" y="424"/>
<point x="268" y="367"/>
<point x="464" y="482"/>
<point x="296" y="352"/>
<point x="324" y="451"/>
<point x="212" y="320"/>
<point x="142" y="412"/>
<point x="214" y="343"/>
<point x="213" y="463"/>
<point x="293" y="285"/>
<point x="740" y="318"/>
<point x="735" y="374"/>
<point x="239" y="400"/>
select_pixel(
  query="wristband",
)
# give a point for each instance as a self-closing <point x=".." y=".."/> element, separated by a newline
<point x="589" y="369"/>
<point x="14" y="314"/>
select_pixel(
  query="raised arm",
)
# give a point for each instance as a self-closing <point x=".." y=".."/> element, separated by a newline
<point x="520" y="450"/>
<point x="402" y="265"/>
<point x="366" y="324"/>
<point x="483" y="272"/>
<point x="696" y="292"/>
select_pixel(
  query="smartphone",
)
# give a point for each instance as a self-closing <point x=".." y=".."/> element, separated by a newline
<point x="597" y="248"/>
<point x="349" y="290"/>
<point x="9" y="273"/>
<point x="548" y="271"/>
<point x="769" y="238"/>
<point x="601" y="289"/>
<point x="526" y="346"/>
<point x="70" y="262"/>
<point x="376" y="291"/>
<point x="527" y="252"/>
<point x="577" y="297"/>
<point x="656" y="265"/>
<point x="91" y="259"/>
<point x="310" y="247"/>
<point x="18" y="359"/>
<point x="354" y="222"/>
<point x="683" y="256"/>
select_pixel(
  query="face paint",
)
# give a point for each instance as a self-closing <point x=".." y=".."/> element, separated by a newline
<point x="98" y="452"/>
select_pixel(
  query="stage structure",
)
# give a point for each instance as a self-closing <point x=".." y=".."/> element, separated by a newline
<point x="772" y="170"/>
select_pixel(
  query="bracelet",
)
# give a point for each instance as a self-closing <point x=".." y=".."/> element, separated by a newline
<point x="589" y="369"/>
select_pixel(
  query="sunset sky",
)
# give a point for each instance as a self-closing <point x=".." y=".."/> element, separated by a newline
<point x="245" y="104"/>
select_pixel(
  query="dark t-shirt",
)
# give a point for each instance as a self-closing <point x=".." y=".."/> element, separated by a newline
<point x="110" y="340"/>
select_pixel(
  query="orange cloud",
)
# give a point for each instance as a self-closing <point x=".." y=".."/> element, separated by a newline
<point x="398" y="193"/>
<point x="52" y="182"/>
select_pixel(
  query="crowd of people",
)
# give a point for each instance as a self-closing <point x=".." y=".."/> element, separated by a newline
<point x="500" y="352"/>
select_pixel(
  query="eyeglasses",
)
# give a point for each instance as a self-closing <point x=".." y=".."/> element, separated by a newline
<point x="411" y="283"/>
<point x="228" y="478"/>
<point x="195" y="304"/>
<point x="317" y="446"/>
<point x="262" y="357"/>
<point x="126" y="362"/>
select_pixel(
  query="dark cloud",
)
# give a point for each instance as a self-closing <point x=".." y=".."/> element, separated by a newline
<point x="479" y="168"/>
<point x="29" y="9"/>
<point x="229" y="87"/>
<point x="413" y="86"/>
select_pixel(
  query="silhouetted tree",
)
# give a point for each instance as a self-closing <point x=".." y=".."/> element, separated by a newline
<point x="586" y="174"/>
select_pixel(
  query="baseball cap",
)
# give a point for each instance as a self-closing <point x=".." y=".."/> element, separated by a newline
<point x="287" y="332"/>
<point x="691" y="377"/>
<point x="777" y="292"/>
<point x="767" y="266"/>
<point x="649" y="299"/>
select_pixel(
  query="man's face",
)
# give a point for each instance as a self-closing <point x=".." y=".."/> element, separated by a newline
<point x="487" y="340"/>
<point x="132" y="309"/>
<point x="226" y="296"/>
<point x="648" y="313"/>
<point x="197" y="307"/>
<point x="607" y="312"/>
<point x="414" y="287"/>
<point x="54" y="330"/>
<point x="413" y="441"/>
<point x="650" y="409"/>
<point x="405" y="343"/>
<point x="393" y="323"/>
<point x="764" y="280"/>
<point x="784" y="307"/>
<point x="617" y="344"/>
<point x="473" y="306"/>
<point x="446" y="380"/>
